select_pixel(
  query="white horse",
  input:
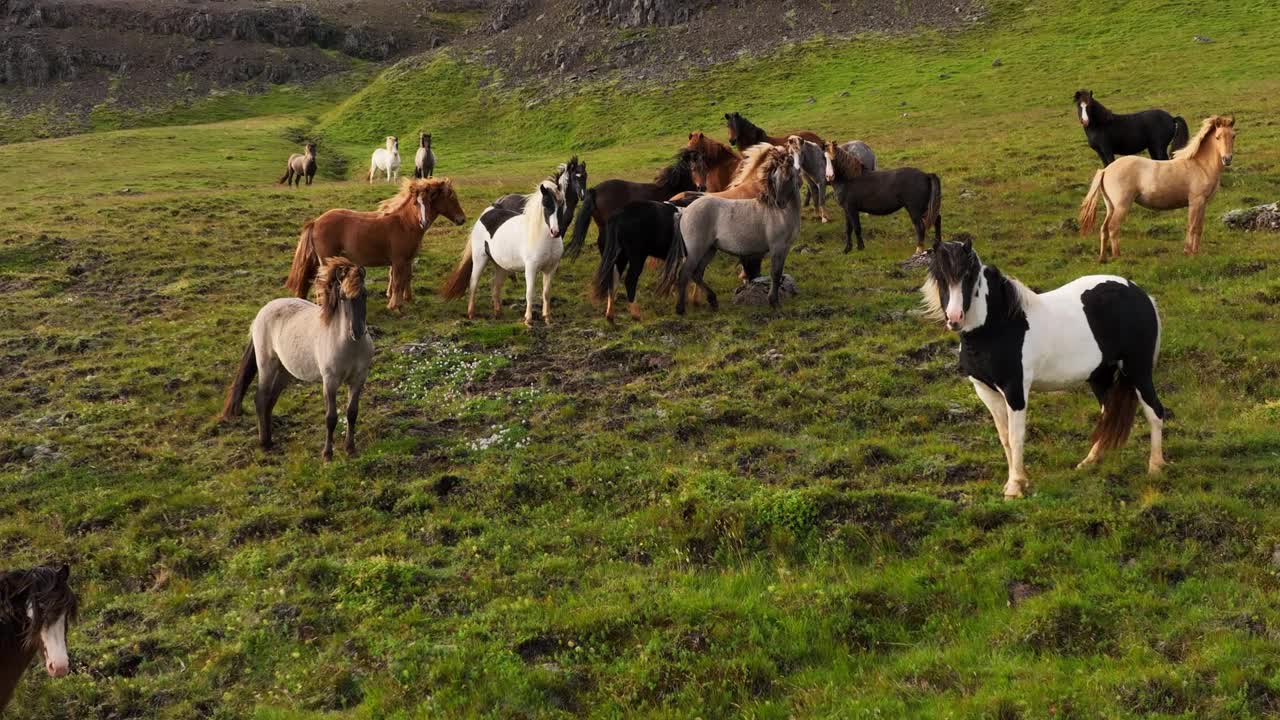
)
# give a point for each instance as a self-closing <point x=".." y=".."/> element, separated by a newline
<point x="386" y="160"/>
<point x="322" y="342"/>
<point x="1101" y="329"/>
<point x="528" y="242"/>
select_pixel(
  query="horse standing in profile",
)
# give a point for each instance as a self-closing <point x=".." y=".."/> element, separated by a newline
<point x="324" y="342"/>
<point x="610" y="196"/>
<point x="386" y="160"/>
<point x="749" y="229"/>
<point x="717" y="162"/>
<point x="1111" y="134"/>
<point x="424" y="162"/>
<point x="883" y="192"/>
<point x="391" y="236"/>
<point x="300" y="166"/>
<point x="1101" y="329"/>
<point x="36" y="607"/>
<point x="1189" y="181"/>
<point x="527" y="242"/>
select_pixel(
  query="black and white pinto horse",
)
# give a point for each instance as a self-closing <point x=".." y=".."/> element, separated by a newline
<point x="570" y="177"/>
<point x="1111" y="134"/>
<point x="1101" y="329"/>
<point x="36" y="606"/>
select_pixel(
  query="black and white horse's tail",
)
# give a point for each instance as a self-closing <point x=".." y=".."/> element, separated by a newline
<point x="602" y="282"/>
<point x="240" y="383"/>
<point x="1119" y="408"/>
<point x="580" y="224"/>
<point x="1181" y="134"/>
<point x="675" y="258"/>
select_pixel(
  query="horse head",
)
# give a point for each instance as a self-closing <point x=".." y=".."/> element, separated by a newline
<point x="953" y="283"/>
<point x="424" y="140"/>
<point x="342" y="281"/>
<point x="553" y="208"/>
<point x="45" y="597"/>
<point x="1083" y="99"/>
<point x="393" y="144"/>
<point x="732" y="120"/>
<point x="311" y="149"/>
<point x="1224" y="135"/>
<point x="440" y="196"/>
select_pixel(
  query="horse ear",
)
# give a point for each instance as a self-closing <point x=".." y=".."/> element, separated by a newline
<point x="64" y="572"/>
<point x="968" y="243"/>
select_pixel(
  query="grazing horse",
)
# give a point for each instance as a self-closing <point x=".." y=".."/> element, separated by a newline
<point x="1110" y="134"/>
<point x="1189" y="181"/>
<point x="390" y="236"/>
<point x="300" y="166"/>
<point x="424" y="162"/>
<point x="610" y="196"/>
<point x="324" y="342"/>
<point x="1101" y="329"/>
<point x="570" y="177"/>
<point x="386" y="159"/>
<point x="749" y="229"/>
<point x="717" y="162"/>
<point x="883" y="192"/>
<point x="36" y="606"/>
<point x="527" y="242"/>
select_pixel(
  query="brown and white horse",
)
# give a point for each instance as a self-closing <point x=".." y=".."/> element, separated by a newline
<point x="1189" y="181"/>
<point x="390" y="236"/>
<point x="36" y="606"/>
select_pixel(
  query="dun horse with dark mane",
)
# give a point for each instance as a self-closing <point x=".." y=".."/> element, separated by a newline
<point x="300" y="166"/>
<point x="390" y="236"/>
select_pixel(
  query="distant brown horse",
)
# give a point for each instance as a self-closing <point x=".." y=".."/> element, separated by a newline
<point x="390" y="236"/>
<point x="718" y="162"/>
<point x="1189" y="181"/>
<point x="300" y="166"/>
<point x="607" y="198"/>
<point x="883" y="192"/>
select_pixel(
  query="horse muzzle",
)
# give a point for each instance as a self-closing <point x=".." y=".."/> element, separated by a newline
<point x="830" y="177"/>
<point x="56" y="669"/>
<point x="461" y="219"/>
<point x="1226" y="160"/>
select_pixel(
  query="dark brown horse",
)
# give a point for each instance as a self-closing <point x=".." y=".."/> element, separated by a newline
<point x="883" y="192"/>
<point x="607" y="198"/>
<point x="390" y="236"/>
<point x="717" y="162"/>
<point x="300" y="166"/>
<point x="35" y="608"/>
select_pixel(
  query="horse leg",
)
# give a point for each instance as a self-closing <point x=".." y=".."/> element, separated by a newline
<point x="399" y="294"/>
<point x="937" y="228"/>
<point x="682" y="282"/>
<point x="1017" y="438"/>
<point x="1155" y="413"/>
<point x="353" y="409"/>
<point x="632" y="281"/>
<point x="776" y="261"/>
<point x="1100" y="382"/>
<point x="270" y="383"/>
<point x="478" y="261"/>
<point x="530" y="280"/>
<point x="391" y="280"/>
<point x="546" y="296"/>
<point x="999" y="413"/>
<point x="822" y="199"/>
<point x="1116" y="213"/>
<point x="751" y="267"/>
<point x="857" y="231"/>
<point x="917" y="224"/>
<point x="499" y="277"/>
<point x="330" y="417"/>
<point x="699" y="280"/>
<point x="1195" y="225"/>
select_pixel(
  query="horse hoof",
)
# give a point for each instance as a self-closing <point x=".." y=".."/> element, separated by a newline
<point x="1156" y="468"/>
<point x="634" y="309"/>
<point x="351" y="451"/>
<point x="1012" y="490"/>
<point x="327" y="456"/>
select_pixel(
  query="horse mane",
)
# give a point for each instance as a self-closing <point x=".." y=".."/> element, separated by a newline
<point x="1098" y="111"/>
<point x="46" y="590"/>
<point x="776" y="160"/>
<point x="1020" y="299"/>
<point x="409" y="189"/>
<point x="847" y="165"/>
<point x="1193" y="145"/>
<point x="533" y="208"/>
<point x="328" y="285"/>
<point x="672" y="174"/>
<point x="752" y="158"/>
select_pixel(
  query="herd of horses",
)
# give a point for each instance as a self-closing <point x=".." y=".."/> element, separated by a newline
<point x="743" y="198"/>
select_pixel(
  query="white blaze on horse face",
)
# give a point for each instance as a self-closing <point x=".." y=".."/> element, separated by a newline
<point x="955" y="306"/>
<point x="553" y="223"/>
<point x="1084" y="114"/>
<point x="422" y="212"/>
<point x="54" y="639"/>
<point x="831" y="168"/>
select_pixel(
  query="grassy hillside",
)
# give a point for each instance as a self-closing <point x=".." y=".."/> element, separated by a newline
<point x="749" y="513"/>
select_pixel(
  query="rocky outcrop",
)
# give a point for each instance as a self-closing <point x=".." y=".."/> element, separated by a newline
<point x="643" y="13"/>
<point x="1259" y="217"/>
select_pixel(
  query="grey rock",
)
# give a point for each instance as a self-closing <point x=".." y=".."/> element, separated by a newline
<point x="756" y="292"/>
<point x="1259" y="217"/>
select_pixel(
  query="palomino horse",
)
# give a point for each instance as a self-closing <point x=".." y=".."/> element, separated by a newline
<point x="300" y="166"/>
<point x="324" y="342"/>
<point x="717" y="162"/>
<point x="883" y="192"/>
<point x="749" y="229"/>
<point x="386" y="160"/>
<point x="527" y="242"/>
<point x="1110" y="134"/>
<point x="1101" y="329"/>
<point x="610" y="196"/>
<point x="1189" y="180"/>
<point x="390" y="236"/>
<point x="36" y="606"/>
<point x="424" y="162"/>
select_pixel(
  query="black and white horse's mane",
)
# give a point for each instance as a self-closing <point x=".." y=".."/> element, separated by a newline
<point x="956" y="262"/>
<point x="44" y="592"/>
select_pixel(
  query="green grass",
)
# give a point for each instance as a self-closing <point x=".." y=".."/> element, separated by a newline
<point x="757" y="514"/>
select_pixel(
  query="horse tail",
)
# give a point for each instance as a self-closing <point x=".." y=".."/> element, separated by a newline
<point x="581" y="223"/>
<point x="1180" y="134"/>
<point x="1119" y="407"/>
<point x="602" y="283"/>
<point x="240" y="383"/>
<point x="675" y="254"/>
<point x="287" y="168"/>
<point x="305" y="262"/>
<point x="935" y="201"/>
<point x="1089" y="208"/>
<point x="458" y="282"/>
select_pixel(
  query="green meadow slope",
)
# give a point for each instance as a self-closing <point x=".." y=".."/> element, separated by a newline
<point x="747" y="513"/>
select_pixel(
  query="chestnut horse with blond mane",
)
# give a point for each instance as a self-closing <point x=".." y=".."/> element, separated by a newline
<point x="1189" y="181"/>
<point x="390" y="236"/>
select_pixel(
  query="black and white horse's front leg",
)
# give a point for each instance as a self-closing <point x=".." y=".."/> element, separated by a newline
<point x="1015" y="398"/>
<point x="999" y="413"/>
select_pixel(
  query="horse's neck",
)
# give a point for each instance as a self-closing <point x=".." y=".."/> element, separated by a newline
<point x="14" y="660"/>
<point x="1100" y="113"/>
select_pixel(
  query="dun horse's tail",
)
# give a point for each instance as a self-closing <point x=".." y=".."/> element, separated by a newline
<point x="288" y="170"/>
<point x="935" y="201"/>
<point x="240" y="383"/>
<point x="602" y="283"/>
<point x="1180" y="134"/>
<point x="675" y="255"/>
<point x="305" y="262"/>
<point x="458" y="282"/>
<point x="581" y="223"/>
<point x="1089" y="208"/>
<point x="1119" y="408"/>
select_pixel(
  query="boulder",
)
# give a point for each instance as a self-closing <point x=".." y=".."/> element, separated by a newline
<point x="1259" y="217"/>
<point x="756" y="292"/>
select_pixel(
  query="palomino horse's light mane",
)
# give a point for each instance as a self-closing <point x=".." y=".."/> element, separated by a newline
<point x="533" y="221"/>
<point x="409" y="189"/>
<point x="1210" y="124"/>
<point x="752" y="158"/>
<point x="846" y="164"/>
<point x="337" y="278"/>
<point x="775" y="165"/>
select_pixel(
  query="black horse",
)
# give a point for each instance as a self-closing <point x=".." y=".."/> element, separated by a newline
<point x="884" y="192"/>
<point x="36" y="606"/>
<point x="1111" y="134"/>
<point x="609" y="197"/>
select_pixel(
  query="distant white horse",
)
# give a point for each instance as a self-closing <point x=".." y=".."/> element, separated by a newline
<point x="386" y="160"/>
<point x="322" y="342"/>
<point x="529" y="242"/>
